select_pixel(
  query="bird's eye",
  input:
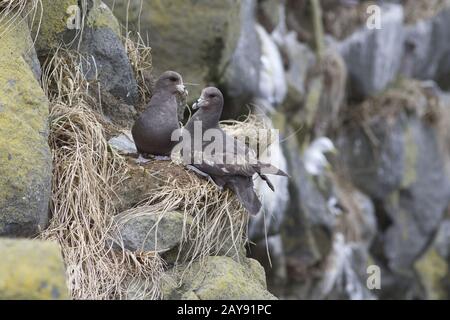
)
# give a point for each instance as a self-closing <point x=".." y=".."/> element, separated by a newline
<point x="212" y="96"/>
<point x="173" y="79"/>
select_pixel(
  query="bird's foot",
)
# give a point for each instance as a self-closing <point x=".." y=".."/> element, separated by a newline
<point x="203" y="175"/>
<point x="141" y="160"/>
<point x="161" y="158"/>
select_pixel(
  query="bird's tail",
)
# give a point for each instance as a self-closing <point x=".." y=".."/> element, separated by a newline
<point x="243" y="188"/>
<point x="267" y="168"/>
<point x="264" y="168"/>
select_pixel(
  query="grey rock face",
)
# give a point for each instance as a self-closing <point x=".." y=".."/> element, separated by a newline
<point x="150" y="232"/>
<point x="427" y="48"/>
<point x="376" y="173"/>
<point x="25" y="160"/>
<point x="108" y="61"/>
<point x="241" y="78"/>
<point x="418" y="208"/>
<point x="220" y="278"/>
<point x="374" y="56"/>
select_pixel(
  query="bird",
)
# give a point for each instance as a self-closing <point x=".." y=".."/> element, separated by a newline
<point x="152" y="131"/>
<point x="314" y="157"/>
<point x="228" y="162"/>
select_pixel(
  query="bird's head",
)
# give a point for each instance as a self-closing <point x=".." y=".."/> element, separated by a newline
<point x="210" y="99"/>
<point x="171" y="81"/>
<point x="324" y="145"/>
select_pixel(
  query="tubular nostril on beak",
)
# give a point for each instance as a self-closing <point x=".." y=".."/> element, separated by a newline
<point x="182" y="89"/>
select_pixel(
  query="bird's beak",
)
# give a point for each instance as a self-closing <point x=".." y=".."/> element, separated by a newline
<point x="182" y="89"/>
<point x="334" y="151"/>
<point x="200" y="103"/>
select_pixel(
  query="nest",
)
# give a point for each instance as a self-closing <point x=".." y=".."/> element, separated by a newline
<point x="87" y="173"/>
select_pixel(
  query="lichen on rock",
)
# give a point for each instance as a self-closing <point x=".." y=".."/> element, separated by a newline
<point x="25" y="162"/>
<point x="32" y="270"/>
<point x="219" y="278"/>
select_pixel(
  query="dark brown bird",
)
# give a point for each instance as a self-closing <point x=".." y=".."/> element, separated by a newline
<point x="153" y="130"/>
<point x="230" y="163"/>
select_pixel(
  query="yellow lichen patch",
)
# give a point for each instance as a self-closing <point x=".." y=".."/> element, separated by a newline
<point x="206" y="31"/>
<point x="101" y="16"/>
<point x="411" y="154"/>
<point x="24" y="152"/>
<point x="32" y="270"/>
<point x="55" y="18"/>
<point x="433" y="270"/>
<point x="220" y="278"/>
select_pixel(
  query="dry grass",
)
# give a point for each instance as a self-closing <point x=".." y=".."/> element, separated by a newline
<point x="140" y="57"/>
<point x="256" y="129"/>
<point x="12" y="12"/>
<point x="214" y="221"/>
<point x="84" y="176"/>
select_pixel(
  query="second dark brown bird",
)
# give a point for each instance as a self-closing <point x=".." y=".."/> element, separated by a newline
<point x="152" y="131"/>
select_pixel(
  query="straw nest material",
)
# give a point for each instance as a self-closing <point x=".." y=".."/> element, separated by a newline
<point x="87" y="174"/>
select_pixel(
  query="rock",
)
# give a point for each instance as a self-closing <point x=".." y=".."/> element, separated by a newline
<point x="219" y="278"/>
<point x="427" y="49"/>
<point x="123" y="143"/>
<point x="58" y="24"/>
<point x="376" y="177"/>
<point x="373" y="57"/>
<point x="241" y="78"/>
<point x="106" y="57"/>
<point x="149" y="231"/>
<point x="307" y="229"/>
<point x="416" y="210"/>
<point x="433" y="265"/>
<point x="31" y="270"/>
<point x="216" y="38"/>
<point x="138" y="185"/>
<point x="25" y="161"/>
<point x="272" y="79"/>
<point x="403" y="169"/>
<point x="274" y="204"/>
<point x="268" y="13"/>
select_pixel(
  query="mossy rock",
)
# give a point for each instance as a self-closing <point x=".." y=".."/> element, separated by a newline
<point x="219" y="278"/>
<point x="25" y="161"/>
<point x="151" y="232"/>
<point x="52" y="29"/>
<point x="99" y="40"/>
<point x="433" y="270"/>
<point x="195" y="38"/>
<point x="32" y="270"/>
<point x="59" y="22"/>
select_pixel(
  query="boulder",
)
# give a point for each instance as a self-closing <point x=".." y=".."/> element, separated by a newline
<point x="207" y="41"/>
<point x="218" y="278"/>
<point x="151" y="232"/>
<point x="432" y="266"/>
<point x="99" y="40"/>
<point x="373" y="56"/>
<point x="402" y="167"/>
<point x="32" y="270"/>
<point x="25" y="161"/>
<point x="427" y="49"/>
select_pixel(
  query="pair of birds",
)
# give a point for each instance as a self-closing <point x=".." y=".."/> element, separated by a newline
<point x="154" y="130"/>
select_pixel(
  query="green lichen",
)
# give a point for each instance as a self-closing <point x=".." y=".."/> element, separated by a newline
<point x="53" y="24"/>
<point x="410" y="162"/>
<point x="31" y="270"/>
<point x="100" y="16"/>
<point x="220" y="278"/>
<point x="24" y="154"/>
<point x="205" y="32"/>
<point x="433" y="270"/>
